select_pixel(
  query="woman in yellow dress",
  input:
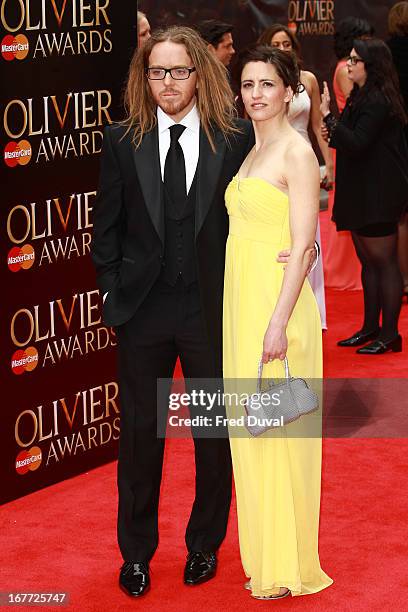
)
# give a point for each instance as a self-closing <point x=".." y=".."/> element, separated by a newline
<point x="271" y="312"/>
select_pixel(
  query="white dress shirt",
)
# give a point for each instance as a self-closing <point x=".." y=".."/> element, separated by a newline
<point x="189" y="141"/>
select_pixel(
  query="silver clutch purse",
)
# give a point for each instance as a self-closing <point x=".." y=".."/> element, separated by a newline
<point x="280" y="404"/>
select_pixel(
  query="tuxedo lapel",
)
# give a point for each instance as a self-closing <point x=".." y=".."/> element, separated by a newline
<point x="147" y="162"/>
<point x="209" y="169"/>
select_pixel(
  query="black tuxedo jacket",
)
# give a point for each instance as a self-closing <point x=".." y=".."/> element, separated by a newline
<point x="128" y="238"/>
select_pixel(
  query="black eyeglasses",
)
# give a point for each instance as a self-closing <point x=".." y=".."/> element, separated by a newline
<point x="179" y="73"/>
<point x="353" y="59"/>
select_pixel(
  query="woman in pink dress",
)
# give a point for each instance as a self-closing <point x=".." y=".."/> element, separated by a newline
<point x="341" y="265"/>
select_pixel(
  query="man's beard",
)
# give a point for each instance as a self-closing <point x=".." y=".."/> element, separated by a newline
<point x="173" y="107"/>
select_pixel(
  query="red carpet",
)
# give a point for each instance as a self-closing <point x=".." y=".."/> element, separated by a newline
<point x="345" y="316"/>
<point x="63" y="538"/>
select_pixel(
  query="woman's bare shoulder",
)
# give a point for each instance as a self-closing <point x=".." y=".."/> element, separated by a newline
<point x="298" y="151"/>
<point x="306" y="75"/>
<point x="295" y="140"/>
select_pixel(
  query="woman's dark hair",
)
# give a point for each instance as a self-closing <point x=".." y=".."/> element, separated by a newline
<point x="284" y="63"/>
<point x="347" y="31"/>
<point x="266" y="37"/>
<point x="381" y="76"/>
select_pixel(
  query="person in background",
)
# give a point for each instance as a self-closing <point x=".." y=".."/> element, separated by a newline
<point x="347" y="31"/>
<point x="143" y="29"/>
<point x="372" y="187"/>
<point x="398" y="44"/>
<point x="304" y="108"/>
<point x="304" y="111"/>
<point x="218" y="36"/>
<point x="342" y="267"/>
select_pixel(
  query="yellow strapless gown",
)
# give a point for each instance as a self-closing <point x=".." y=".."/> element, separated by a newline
<point x="277" y="478"/>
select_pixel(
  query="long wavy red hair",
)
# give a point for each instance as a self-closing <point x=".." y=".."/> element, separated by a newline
<point x="215" y="99"/>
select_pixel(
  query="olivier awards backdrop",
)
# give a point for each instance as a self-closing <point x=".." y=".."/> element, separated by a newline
<point x="313" y="21"/>
<point x="63" y="63"/>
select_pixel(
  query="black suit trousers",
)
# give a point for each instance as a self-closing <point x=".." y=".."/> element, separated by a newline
<point x="167" y="325"/>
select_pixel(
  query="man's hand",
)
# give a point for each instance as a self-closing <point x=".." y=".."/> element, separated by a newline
<point x="283" y="258"/>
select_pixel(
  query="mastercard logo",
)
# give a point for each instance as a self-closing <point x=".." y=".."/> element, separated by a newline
<point x="292" y="27"/>
<point x="28" y="460"/>
<point x="24" y="360"/>
<point x="21" y="258"/>
<point x="14" y="47"/>
<point x="17" y="153"/>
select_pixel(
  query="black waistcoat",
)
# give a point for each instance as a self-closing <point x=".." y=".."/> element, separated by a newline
<point x="179" y="245"/>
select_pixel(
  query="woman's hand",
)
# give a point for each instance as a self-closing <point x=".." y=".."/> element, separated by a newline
<point x="325" y="103"/>
<point x="275" y="343"/>
<point x="324" y="132"/>
<point x="328" y="178"/>
<point x="330" y="172"/>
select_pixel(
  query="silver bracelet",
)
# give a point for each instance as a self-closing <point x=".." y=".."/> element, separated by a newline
<point x="317" y="249"/>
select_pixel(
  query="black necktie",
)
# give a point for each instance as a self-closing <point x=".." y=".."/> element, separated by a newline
<point x="175" y="170"/>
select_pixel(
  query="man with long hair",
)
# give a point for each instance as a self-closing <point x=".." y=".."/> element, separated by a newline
<point x="160" y="229"/>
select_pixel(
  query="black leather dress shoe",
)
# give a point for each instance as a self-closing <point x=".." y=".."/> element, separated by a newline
<point x="359" y="338"/>
<point x="134" y="578"/>
<point x="379" y="346"/>
<point x="200" y="567"/>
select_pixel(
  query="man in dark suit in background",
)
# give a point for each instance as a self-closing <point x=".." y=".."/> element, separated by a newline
<point x="218" y="36"/>
<point x="160" y="230"/>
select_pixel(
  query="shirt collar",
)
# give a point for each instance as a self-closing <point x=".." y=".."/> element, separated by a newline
<point x="191" y="121"/>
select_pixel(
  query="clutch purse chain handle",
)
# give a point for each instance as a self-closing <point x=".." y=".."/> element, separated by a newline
<point x="260" y="370"/>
